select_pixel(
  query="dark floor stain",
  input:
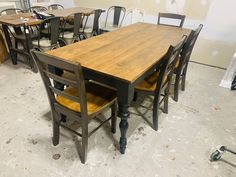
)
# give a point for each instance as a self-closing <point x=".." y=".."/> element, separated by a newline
<point x="56" y="156"/>
<point x="9" y="141"/>
<point x="140" y="129"/>
<point x="173" y="158"/>
<point x="167" y="146"/>
<point x="217" y="108"/>
<point x="34" y="141"/>
<point x="22" y="94"/>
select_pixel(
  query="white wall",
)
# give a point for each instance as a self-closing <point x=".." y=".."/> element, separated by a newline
<point x="217" y="41"/>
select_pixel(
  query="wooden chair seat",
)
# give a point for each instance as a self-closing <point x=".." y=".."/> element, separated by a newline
<point x="98" y="97"/>
<point x="150" y="83"/>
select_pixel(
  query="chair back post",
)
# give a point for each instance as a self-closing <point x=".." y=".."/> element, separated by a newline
<point x="44" y="62"/>
<point x="171" y="16"/>
<point x="188" y="48"/>
<point x="78" y="19"/>
<point x="168" y="64"/>
<point x="97" y="14"/>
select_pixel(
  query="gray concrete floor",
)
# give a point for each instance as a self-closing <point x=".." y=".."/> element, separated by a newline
<point x="202" y="120"/>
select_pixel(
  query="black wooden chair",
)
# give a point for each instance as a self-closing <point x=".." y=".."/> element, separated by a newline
<point x="171" y="19"/>
<point x="37" y="9"/>
<point x="182" y="63"/>
<point x="117" y="14"/>
<point x="55" y="7"/>
<point x="160" y="80"/>
<point x="80" y="101"/>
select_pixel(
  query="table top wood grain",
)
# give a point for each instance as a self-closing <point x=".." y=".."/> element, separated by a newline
<point x="125" y="54"/>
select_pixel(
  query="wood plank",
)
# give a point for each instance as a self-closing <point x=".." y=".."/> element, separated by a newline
<point x="125" y="54"/>
<point x="3" y="49"/>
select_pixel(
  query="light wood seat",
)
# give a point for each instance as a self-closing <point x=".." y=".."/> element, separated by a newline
<point x="98" y="98"/>
<point x="80" y="101"/>
<point x="150" y="83"/>
<point x="158" y="83"/>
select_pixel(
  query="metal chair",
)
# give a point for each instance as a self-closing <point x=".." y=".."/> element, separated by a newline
<point x="170" y="19"/>
<point x="37" y="9"/>
<point x="49" y="32"/>
<point x="80" y="101"/>
<point x="182" y="63"/>
<point x="116" y="14"/>
<point x="11" y="11"/>
<point x="55" y="7"/>
<point x="133" y="16"/>
<point x="94" y="30"/>
<point x="77" y="34"/>
<point x="160" y="80"/>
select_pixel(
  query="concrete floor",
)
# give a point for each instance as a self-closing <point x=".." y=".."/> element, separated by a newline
<point x="202" y="120"/>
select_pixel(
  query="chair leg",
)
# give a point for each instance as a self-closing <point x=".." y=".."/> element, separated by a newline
<point x="113" y="117"/>
<point x="135" y="96"/>
<point x="84" y="141"/>
<point x="183" y="81"/>
<point x="155" y="114"/>
<point x="56" y="132"/>
<point x="176" y="87"/>
<point x="166" y="98"/>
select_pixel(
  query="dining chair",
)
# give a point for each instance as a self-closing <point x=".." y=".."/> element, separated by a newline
<point x="94" y="30"/>
<point x="77" y="34"/>
<point x="114" y="18"/>
<point x="37" y="9"/>
<point x="171" y="19"/>
<point x="181" y="67"/>
<point x="158" y="83"/>
<point x="11" y="11"/>
<point x="133" y="16"/>
<point x="48" y="37"/>
<point x="80" y="101"/>
<point x="55" y="7"/>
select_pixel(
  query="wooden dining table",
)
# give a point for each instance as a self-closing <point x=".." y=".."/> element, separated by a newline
<point x="121" y="59"/>
<point x="25" y="20"/>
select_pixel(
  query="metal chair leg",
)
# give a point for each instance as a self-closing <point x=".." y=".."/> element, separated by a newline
<point x="176" y="87"/>
<point x="155" y="114"/>
<point x="56" y="132"/>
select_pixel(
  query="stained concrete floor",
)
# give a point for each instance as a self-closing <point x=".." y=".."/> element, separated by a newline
<point x="202" y="120"/>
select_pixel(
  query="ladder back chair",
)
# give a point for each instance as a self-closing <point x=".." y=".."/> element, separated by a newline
<point x="116" y="15"/>
<point x="182" y="63"/>
<point x="133" y="16"/>
<point x="160" y="80"/>
<point x="80" y="101"/>
<point x="171" y="19"/>
<point x="55" y="7"/>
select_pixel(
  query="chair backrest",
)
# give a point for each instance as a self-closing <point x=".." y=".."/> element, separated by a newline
<point x="44" y="63"/>
<point x="188" y="47"/>
<point x="166" y="68"/>
<point x="37" y="9"/>
<point x="133" y="16"/>
<point x="171" y="19"/>
<point x="118" y="14"/>
<point x="97" y="13"/>
<point x="11" y="11"/>
<point x="55" y="7"/>
<point x="52" y="24"/>
<point x="78" y="19"/>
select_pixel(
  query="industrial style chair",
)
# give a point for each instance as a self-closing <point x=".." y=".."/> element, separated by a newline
<point x="37" y="9"/>
<point x="160" y="80"/>
<point x="182" y="63"/>
<point x="49" y="32"/>
<point x="116" y="15"/>
<point x="80" y="101"/>
<point x="77" y="34"/>
<point x="133" y="16"/>
<point x="55" y="7"/>
<point x="11" y="11"/>
<point x="94" y="30"/>
<point x="171" y="19"/>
